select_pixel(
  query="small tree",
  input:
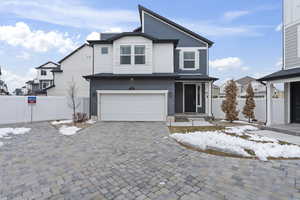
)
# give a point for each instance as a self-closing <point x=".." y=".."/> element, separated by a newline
<point x="72" y="92"/>
<point x="230" y="103"/>
<point x="248" y="109"/>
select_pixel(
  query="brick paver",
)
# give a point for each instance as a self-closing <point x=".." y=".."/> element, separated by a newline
<point x="119" y="160"/>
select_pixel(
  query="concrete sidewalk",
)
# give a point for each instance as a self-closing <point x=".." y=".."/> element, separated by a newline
<point x="279" y="136"/>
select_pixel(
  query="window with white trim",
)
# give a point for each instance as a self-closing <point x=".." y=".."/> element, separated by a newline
<point x="139" y="54"/>
<point x="298" y="41"/>
<point x="104" y="50"/>
<point x="125" y="54"/>
<point x="189" y="60"/>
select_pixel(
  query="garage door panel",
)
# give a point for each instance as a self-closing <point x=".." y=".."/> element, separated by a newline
<point x="132" y="107"/>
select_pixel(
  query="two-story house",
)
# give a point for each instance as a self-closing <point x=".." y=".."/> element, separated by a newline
<point x="290" y="72"/>
<point x="43" y="81"/>
<point x="158" y="70"/>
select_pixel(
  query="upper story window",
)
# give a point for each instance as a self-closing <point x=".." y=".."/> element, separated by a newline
<point x="189" y="60"/>
<point x="43" y="72"/>
<point x="104" y="50"/>
<point x="125" y="54"/>
<point x="139" y="54"/>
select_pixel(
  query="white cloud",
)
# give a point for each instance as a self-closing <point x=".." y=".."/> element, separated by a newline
<point x="212" y="28"/>
<point x="228" y="63"/>
<point x="114" y="30"/>
<point x="37" y="40"/>
<point x="93" y="36"/>
<point x="14" y="80"/>
<point x="278" y="27"/>
<point x="279" y="64"/>
<point x="232" y="15"/>
<point x="24" y="55"/>
<point x="73" y="13"/>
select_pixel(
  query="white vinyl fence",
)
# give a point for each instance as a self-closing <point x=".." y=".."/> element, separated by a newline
<point x="15" y="109"/>
<point x="260" y="110"/>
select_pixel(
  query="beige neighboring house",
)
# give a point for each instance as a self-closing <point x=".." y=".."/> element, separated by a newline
<point x="258" y="88"/>
<point x="215" y="91"/>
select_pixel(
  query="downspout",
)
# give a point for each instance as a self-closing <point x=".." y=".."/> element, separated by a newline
<point x="93" y="71"/>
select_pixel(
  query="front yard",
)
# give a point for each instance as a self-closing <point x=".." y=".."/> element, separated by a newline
<point x="240" y="140"/>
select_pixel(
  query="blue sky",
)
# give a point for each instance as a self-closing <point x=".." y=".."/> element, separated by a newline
<point x="247" y="33"/>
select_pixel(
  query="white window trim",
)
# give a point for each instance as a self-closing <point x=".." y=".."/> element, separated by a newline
<point x="132" y="55"/>
<point x="126" y="45"/>
<point x="197" y="57"/>
<point x="184" y="59"/>
<point x="104" y="53"/>
<point x="144" y="54"/>
<point x="298" y="42"/>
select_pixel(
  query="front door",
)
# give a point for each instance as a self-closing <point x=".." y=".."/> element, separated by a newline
<point x="295" y="102"/>
<point x="189" y="98"/>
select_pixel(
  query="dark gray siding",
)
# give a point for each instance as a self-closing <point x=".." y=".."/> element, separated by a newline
<point x="179" y="98"/>
<point x="291" y="47"/>
<point x="105" y="36"/>
<point x="202" y="66"/>
<point x="161" y="30"/>
<point x="138" y="84"/>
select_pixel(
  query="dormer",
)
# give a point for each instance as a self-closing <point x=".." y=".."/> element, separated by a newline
<point x="134" y="53"/>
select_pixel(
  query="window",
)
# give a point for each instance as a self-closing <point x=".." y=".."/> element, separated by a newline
<point x="125" y="55"/>
<point x="139" y="54"/>
<point x="45" y="85"/>
<point x="104" y="50"/>
<point x="43" y="72"/>
<point x="189" y="60"/>
<point x="199" y="95"/>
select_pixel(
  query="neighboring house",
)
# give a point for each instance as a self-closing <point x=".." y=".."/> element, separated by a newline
<point x="43" y="80"/>
<point x="259" y="88"/>
<point x="215" y="91"/>
<point x="44" y="74"/>
<point x="18" y="92"/>
<point x="71" y="70"/>
<point x="290" y="72"/>
<point x="158" y="70"/>
<point x="33" y="88"/>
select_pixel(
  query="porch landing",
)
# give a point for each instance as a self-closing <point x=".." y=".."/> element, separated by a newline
<point x="291" y="129"/>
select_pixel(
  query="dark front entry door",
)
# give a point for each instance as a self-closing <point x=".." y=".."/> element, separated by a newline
<point x="295" y="102"/>
<point x="189" y="98"/>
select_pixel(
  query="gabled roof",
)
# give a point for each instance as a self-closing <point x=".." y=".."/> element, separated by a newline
<point x="245" y="80"/>
<point x="41" y="66"/>
<point x="72" y="53"/>
<point x="141" y="8"/>
<point x="282" y="74"/>
<point x="124" y="34"/>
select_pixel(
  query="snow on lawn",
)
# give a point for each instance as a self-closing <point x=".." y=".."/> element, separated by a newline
<point x="68" y="130"/>
<point x="90" y="121"/>
<point x="220" y="141"/>
<point x="68" y="121"/>
<point x="5" y="132"/>
<point x="239" y="130"/>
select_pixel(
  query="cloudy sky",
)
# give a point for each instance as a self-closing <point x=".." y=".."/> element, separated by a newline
<point x="247" y="34"/>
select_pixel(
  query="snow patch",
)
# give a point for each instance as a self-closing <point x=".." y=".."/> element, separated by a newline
<point x="90" y="121"/>
<point x="5" y="132"/>
<point x="68" y="121"/>
<point x="220" y="141"/>
<point x="69" y="130"/>
<point x="239" y="130"/>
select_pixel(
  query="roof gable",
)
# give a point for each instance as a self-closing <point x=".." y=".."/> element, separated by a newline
<point x="245" y="80"/>
<point x="48" y="65"/>
<point x="173" y="24"/>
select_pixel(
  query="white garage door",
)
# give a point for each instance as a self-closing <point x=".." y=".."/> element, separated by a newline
<point x="129" y="105"/>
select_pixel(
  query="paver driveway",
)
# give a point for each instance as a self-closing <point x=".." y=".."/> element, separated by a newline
<point x="133" y="161"/>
